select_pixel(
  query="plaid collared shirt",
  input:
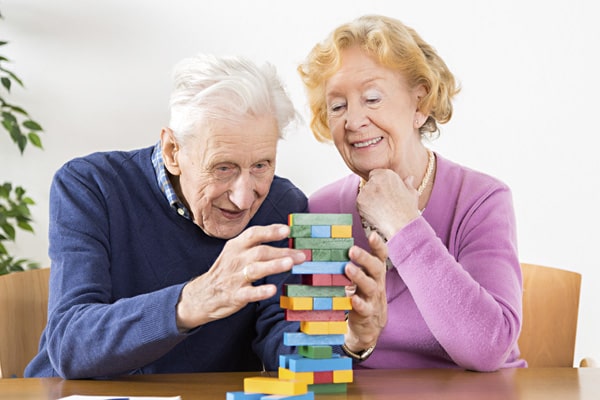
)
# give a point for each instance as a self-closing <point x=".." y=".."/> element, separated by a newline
<point x="165" y="184"/>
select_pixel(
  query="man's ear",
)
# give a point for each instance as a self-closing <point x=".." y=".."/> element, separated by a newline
<point x="170" y="151"/>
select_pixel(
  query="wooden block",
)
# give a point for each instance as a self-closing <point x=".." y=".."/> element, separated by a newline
<point x="322" y="255"/>
<point x="305" y="396"/>
<point x="315" y="352"/>
<point x="323" y="243"/>
<point x="314" y="291"/>
<point x="342" y="376"/>
<point x="320" y="231"/>
<point x="315" y="315"/>
<point x="317" y="279"/>
<point x="339" y="255"/>
<point x="320" y="219"/>
<point x="302" y="339"/>
<point x="320" y="267"/>
<point x="296" y="303"/>
<point x="284" y="373"/>
<point x="323" y="327"/>
<point x="322" y="303"/>
<point x="308" y="254"/>
<point x="297" y="363"/>
<point x="272" y="385"/>
<point x="341" y="303"/>
<point x="244" y="395"/>
<point x="340" y="280"/>
<point x="323" y="377"/>
<point x="341" y="231"/>
<point x="300" y="231"/>
<point x="328" y="388"/>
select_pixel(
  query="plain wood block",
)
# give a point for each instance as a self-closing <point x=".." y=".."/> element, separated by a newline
<point x="343" y="376"/>
<point x="341" y="303"/>
<point x="315" y="315"/>
<point x="293" y="290"/>
<point x="320" y="231"/>
<point x="296" y="303"/>
<point x="315" y="352"/>
<point x="322" y="303"/>
<point x="341" y="231"/>
<point x="243" y="396"/>
<point x="272" y="385"/>
<point x="320" y="267"/>
<point x="297" y="363"/>
<point x="320" y="219"/>
<point x="284" y="373"/>
<point x="302" y="339"/>
<point x="323" y="243"/>
<point x="317" y="279"/>
<point x="324" y="388"/>
<point x="323" y="327"/>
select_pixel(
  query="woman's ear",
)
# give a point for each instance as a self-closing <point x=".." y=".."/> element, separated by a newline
<point x="421" y="115"/>
<point x="170" y="151"/>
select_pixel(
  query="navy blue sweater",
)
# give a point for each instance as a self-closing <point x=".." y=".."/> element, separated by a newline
<point x="120" y="256"/>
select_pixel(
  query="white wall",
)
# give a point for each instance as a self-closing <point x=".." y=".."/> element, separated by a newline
<point x="98" y="78"/>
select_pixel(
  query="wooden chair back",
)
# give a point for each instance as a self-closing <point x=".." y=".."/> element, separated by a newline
<point x="550" y="311"/>
<point x="23" y="315"/>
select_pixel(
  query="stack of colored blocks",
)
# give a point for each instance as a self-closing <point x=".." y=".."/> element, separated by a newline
<point x="320" y="304"/>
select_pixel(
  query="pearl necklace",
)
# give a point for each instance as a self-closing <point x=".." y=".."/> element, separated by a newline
<point x="428" y="174"/>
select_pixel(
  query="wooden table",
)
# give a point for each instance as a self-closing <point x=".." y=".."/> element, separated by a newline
<point x="507" y="384"/>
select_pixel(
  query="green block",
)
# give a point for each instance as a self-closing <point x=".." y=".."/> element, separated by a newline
<point x="321" y="219"/>
<point x="314" y="291"/>
<point x="300" y="231"/>
<point x="330" y="255"/>
<point x="323" y="243"/>
<point x="328" y="388"/>
<point x="315" y="352"/>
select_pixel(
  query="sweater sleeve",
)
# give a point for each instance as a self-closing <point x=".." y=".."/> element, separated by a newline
<point x="89" y="333"/>
<point x="468" y="294"/>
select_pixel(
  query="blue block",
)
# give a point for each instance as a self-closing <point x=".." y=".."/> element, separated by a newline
<point x="320" y="231"/>
<point x="320" y="267"/>
<point x="297" y="363"/>
<point x="322" y="303"/>
<point x="244" y="396"/>
<point x="303" y="339"/>
<point x="305" y="396"/>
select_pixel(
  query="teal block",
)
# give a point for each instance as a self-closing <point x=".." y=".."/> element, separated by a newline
<point x="297" y="363"/>
<point x="320" y="267"/>
<point x="305" y="396"/>
<point x="320" y="231"/>
<point x="314" y="291"/>
<point x="244" y="396"/>
<point x="323" y="243"/>
<point x="323" y="303"/>
<point x="321" y="219"/>
<point x="303" y="339"/>
<point x="300" y="231"/>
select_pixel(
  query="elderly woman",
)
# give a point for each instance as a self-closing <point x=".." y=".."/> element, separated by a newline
<point x="449" y="293"/>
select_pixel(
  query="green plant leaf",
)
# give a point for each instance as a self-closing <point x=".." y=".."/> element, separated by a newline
<point x="6" y="82"/>
<point x="35" y="140"/>
<point x="30" y="124"/>
<point x="25" y="226"/>
<point x="9" y="230"/>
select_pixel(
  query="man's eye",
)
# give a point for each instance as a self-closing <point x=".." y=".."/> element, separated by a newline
<point x="224" y="171"/>
<point x="261" y="168"/>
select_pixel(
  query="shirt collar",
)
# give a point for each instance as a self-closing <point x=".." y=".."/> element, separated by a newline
<point x="165" y="184"/>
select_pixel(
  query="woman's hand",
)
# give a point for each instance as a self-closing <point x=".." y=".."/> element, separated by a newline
<point x="369" y="302"/>
<point x="227" y="286"/>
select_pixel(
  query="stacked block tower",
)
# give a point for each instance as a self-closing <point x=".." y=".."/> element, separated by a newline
<point x="320" y="304"/>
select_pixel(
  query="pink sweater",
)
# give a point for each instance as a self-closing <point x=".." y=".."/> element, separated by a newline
<point x="454" y="294"/>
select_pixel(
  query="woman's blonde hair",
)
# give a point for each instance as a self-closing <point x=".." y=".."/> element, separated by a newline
<point x="395" y="46"/>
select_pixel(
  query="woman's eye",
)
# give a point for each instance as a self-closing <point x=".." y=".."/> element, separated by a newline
<point x="336" y="108"/>
<point x="373" y="100"/>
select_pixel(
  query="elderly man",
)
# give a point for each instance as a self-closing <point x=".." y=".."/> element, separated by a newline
<point x="170" y="258"/>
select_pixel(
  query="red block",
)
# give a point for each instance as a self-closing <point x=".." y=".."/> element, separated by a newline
<point x="340" y="280"/>
<point x="317" y="279"/>
<point x="315" y="315"/>
<point x="323" y="377"/>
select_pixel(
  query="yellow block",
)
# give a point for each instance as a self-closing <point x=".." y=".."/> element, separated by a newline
<point x="323" y="327"/>
<point x="343" y="376"/>
<point x="341" y="303"/>
<point x="296" y="303"/>
<point x="271" y="385"/>
<point x="341" y="231"/>
<point x="308" y="377"/>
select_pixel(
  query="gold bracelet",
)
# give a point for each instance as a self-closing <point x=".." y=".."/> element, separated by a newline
<point x="360" y="356"/>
